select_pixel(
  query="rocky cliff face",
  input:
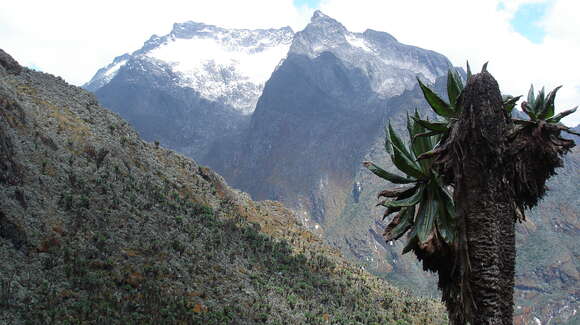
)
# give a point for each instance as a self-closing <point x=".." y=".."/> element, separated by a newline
<point x="99" y="226"/>
<point x="320" y="112"/>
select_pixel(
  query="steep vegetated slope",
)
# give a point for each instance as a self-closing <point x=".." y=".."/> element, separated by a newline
<point x="98" y="226"/>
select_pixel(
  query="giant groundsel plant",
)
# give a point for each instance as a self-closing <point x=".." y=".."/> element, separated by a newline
<point x="464" y="179"/>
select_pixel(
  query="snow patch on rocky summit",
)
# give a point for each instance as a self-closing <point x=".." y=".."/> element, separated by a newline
<point x="220" y="68"/>
<point x="106" y="74"/>
<point x="230" y="66"/>
<point x="390" y="66"/>
<point x="112" y="71"/>
<point x="357" y="41"/>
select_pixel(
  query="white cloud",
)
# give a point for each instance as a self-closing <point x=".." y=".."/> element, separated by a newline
<point x="74" y="38"/>
<point x="562" y="22"/>
<point x="477" y="31"/>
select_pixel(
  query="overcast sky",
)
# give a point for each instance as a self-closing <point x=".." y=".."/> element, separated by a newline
<point x="525" y="41"/>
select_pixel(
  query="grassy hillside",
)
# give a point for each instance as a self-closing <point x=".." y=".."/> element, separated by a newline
<point x="98" y="226"/>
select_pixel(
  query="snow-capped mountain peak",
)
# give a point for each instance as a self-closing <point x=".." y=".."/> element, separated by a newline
<point x="104" y="75"/>
<point x="229" y="66"/>
<point x="391" y="66"/>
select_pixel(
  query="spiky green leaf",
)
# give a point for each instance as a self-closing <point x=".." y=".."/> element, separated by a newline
<point x="398" y="143"/>
<point x="435" y="140"/>
<point x="410" y="201"/>
<point x="433" y="126"/>
<point x="484" y="68"/>
<point x="560" y="116"/>
<point x="388" y="144"/>
<point x="549" y="107"/>
<point x="426" y="215"/>
<point x="529" y="111"/>
<point x="426" y="134"/>
<point x="469" y="74"/>
<point x="453" y="87"/>
<point x="410" y="125"/>
<point x="418" y="146"/>
<point x="421" y="142"/>
<point x="446" y="224"/>
<point x="393" y="178"/>
<point x="531" y="96"/>
<point x="540" y="102"/>
<point x="406" y="165"/>
<point x="402" y="157"/>
<point x="510" y="102"/>
<point x="437" y="104"/>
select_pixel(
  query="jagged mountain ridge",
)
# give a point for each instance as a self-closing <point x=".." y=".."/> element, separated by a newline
<point x="390" y="66"/>
<point x="218" y="74"/>
<point x="99" y="226"/>
<point x="333" y="84"/>
<point x="229" y="66"/>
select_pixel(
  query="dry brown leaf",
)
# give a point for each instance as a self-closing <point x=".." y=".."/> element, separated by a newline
<point x="131" y="253"/>
<point x="199" y="308"/>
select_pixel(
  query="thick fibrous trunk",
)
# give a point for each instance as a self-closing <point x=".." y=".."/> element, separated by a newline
<point x="481" y="287"/>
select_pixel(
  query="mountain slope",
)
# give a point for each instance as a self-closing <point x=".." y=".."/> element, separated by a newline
<point x="548" y="262"/>
<point x="193" y="86"/>
<point x="97" y="226"/>
<point x="334" y="84"/>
